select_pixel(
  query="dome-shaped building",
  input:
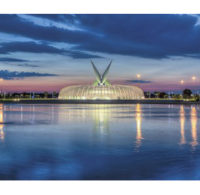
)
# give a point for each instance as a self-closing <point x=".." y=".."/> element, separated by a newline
<point x="101" y="90"/>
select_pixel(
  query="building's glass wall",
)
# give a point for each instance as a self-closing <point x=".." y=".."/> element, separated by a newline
<point x="90" y="92"/>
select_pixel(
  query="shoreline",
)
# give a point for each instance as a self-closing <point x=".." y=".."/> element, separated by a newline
<point x="57" y="101"/>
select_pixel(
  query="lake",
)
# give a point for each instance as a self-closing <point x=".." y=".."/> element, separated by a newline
<point x="99" y="142"/>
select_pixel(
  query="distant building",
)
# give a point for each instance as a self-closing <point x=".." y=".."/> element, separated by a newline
<point x="101" y="90"/>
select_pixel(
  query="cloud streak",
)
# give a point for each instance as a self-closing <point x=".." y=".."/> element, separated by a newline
<point x="12" y="60"/>
<point x="13" y="75"/>
<point x="33" y="47"/>
<point x="137" y="81"/>
<point x="28" y="65"/>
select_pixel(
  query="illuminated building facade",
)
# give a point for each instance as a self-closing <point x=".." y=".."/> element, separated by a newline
<point x="101" y="90"/>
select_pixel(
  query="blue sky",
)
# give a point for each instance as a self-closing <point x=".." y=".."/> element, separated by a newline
<point x="48" y="52"/>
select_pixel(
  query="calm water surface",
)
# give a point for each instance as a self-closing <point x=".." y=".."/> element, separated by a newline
<point x="99" y="142"/>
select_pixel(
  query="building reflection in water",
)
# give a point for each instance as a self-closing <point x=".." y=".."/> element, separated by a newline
<point x="182" y="124"/>
<point x="194" y="126"/>
<point x="101" y="114"/>
<point x="138" y="118"/>
<point x="1" y="123"/>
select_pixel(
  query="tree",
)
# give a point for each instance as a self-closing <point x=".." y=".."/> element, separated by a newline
<point x="54" y="94"/>
<point x="46" y="94"/>
<point x="187" y="93"/>
<point x="162" y="94"/>
<point x="196" y="97"/>
<point x="177" y="96"/>
<point x="156" y="93"/>
<point x="166" y="96"/>
<point x="147" y="94"/>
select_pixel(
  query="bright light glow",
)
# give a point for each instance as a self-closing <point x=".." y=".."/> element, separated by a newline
<point x="1" y="79"/>
<point x="138" y="76"/>
<point x="193" y="78"/>
<point x="182" y="81"/>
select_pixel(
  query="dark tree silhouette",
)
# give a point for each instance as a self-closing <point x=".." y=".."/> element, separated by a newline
<point x="162" y="95"/>
<point x="187" y="93"/>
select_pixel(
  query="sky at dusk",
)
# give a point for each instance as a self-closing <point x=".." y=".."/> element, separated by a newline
<point x="47" y="52"/>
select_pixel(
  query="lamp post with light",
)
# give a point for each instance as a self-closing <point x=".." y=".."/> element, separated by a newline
<point x="138" y="76"/>
<point x="194" y="78"/>
<point x="182" y="83"/>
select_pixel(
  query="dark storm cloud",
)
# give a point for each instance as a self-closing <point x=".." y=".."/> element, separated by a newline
<point x="12" y="60"/>
<point x="32" y="47"/>
<point x="137" y="81"/>
<point x="12" y="75"/>
<point x="149" y="36"/>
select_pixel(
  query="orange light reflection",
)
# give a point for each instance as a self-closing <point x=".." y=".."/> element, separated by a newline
<point x="194" y="126"/>
<point x="182" y="124"/>
<point x="138" y="124"/>
<point x="1" y="123"/>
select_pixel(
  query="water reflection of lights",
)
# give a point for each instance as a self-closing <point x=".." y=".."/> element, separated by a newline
<point x="194" y="126"/>
<point x="1" y="123"/>
<point x="21" y="113"/>
<point x="101" y="116"/>
<point x="182" y="124"/>
<point x="138" y="118"/>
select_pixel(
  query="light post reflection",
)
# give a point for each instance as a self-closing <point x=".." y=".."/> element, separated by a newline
<point x="194" y="126"/>
<point x="182" y="124"/>
<point x="1" y="123"/>
<point x="138" y="118"/>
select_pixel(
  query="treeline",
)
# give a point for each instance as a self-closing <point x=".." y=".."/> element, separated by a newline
<point x="26" y="95"/>
<point x="186" y="94"/>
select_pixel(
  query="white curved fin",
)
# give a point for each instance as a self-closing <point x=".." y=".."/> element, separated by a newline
<point x="98" y="76"/>
<point x="106" y="72"/>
